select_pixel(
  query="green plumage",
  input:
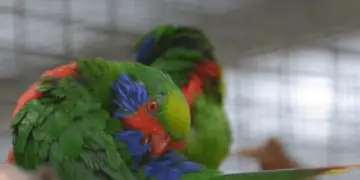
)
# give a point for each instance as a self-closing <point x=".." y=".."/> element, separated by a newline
<point x="70" y="127"/>
<point x="208" y="144"/>
<point x="176" y="51"/>
<point x="68" y="130"/>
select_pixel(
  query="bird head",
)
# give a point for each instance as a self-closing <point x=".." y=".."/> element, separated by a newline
<point x="147" y="100"/>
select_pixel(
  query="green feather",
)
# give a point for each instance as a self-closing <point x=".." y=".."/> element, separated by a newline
<point x="169" y="37"/>
<point x="42" y="147"/>
<point x="199" y="140"/>
<point x="179" y="63"/>
<point x="70" y="126"/>
<point x="60" y="132"/>
<point x="70" y="145"/>
<point x="177" y="50"/>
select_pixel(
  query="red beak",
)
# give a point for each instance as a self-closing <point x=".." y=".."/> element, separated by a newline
<point x="154" y="133"/>
<point x="159" y="142"/>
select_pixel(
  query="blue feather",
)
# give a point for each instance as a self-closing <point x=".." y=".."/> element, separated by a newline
<point x="145" y="48"/>
<point x="169" y="166"/>
<point x="129" y="96"/>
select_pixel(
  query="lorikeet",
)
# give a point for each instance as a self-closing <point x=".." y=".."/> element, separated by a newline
<point x="186" y="54"/>
<point x="99" y="120"/>
<point x="70" y="117"/>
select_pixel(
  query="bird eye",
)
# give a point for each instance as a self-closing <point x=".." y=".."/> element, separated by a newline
<point x="152" y="106"/>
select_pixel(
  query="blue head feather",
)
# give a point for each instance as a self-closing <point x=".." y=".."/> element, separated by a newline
<point x="169" y="166"/>
<point x="129" y="96"/>
<point x="145" y="48"/>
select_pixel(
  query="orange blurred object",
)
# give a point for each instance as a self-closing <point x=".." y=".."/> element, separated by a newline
<point x="271" y="156"/>
<point x="10" y="159"/>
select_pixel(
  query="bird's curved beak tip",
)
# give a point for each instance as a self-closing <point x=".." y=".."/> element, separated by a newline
<point x="160" y="143"/>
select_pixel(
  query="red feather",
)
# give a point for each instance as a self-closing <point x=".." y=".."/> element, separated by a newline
<point x="32" y="93"/>
<point x="194" y="88"/>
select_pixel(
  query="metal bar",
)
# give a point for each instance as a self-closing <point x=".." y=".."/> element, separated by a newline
<point x="58" y="18"/>
<point x="19" y="29"/>
<point x="67" y="35"/>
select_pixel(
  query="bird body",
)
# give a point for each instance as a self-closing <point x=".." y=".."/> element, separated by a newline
<point x="102" y="120"/>
<point x="186" y="54"/>
<point x="75" y="119"/>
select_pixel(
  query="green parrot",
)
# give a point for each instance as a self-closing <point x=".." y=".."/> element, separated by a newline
<point x="101" y="120"/>
<point x="73" y="118"/>
<point x="186" y="54"/>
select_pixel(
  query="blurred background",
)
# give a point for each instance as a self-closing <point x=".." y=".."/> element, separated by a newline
<point x="292" y="67"/>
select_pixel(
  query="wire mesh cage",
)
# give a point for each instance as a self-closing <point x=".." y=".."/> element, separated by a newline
<point x="305" y="95"/>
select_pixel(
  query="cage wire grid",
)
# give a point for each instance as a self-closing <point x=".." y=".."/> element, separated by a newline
<point x="310" y="105"/>
<point x="305" y="96"/>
